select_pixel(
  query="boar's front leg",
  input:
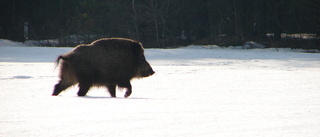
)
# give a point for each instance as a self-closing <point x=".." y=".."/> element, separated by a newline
<point x="129" y="91"/>
<point x="126" y="85"/>
<point x="112" y="89"/>
<point x="83" y="88"/>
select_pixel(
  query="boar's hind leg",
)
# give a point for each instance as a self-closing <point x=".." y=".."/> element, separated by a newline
<point x="128" y="86"/>
<point x="112" y="89"/>
<point x="83" y="88"/>
<point x="58" y="88"/>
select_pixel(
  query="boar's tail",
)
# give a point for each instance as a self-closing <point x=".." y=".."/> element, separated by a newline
<point x="58" y="60"/>
<point x="60" y="57"/>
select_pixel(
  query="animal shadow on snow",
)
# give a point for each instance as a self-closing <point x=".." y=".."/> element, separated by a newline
<point x="101" y="97"/>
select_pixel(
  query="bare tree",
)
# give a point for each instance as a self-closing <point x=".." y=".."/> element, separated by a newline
<point x="157" y="13"/>
<point x="135" y="19"/>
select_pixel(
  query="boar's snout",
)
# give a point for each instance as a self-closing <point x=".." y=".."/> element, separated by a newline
<point x="149" y="72"/>
<point x="145" y="70"/>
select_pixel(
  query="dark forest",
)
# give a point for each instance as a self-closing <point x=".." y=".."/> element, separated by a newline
<point x="165" y="23"/>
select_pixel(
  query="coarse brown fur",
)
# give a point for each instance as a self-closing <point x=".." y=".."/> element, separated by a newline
<point x="106" y="62"/>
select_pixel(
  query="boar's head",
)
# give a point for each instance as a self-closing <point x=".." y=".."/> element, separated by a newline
<point x="144" y="68"/>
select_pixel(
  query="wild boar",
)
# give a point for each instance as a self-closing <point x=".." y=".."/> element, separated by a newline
<point x="108" y="62"/>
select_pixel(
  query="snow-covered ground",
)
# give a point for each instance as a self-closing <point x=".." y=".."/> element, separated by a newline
<point x="196" y="91"/>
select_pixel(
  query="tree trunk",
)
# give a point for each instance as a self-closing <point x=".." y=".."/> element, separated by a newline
<point x="135" y="20"/>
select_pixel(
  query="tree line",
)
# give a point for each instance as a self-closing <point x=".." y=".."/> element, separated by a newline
<point x="164" y="23"/>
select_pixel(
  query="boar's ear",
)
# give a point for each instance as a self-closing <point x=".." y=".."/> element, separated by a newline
<point x="137" y="49"/>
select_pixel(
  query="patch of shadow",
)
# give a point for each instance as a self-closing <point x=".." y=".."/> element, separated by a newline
<point x="17" y="77"/>
<point x="100" y="97"/>
<point x="21" y="77"/>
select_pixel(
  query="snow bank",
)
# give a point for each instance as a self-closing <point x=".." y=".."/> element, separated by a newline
<point x="9" y="43"/>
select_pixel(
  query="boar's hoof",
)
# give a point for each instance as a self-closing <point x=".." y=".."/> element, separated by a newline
<point x="128" y="93"/>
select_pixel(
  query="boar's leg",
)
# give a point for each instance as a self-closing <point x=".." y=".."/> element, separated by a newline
<point x="129" y="91"/>
<point x="83" y="88"/>
<point x="58" y="88"/>
<point x="112" y="89"/>
<point x="128" y="86"/>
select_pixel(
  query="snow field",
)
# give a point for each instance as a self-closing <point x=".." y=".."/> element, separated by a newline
<point x="195" y="92"/>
